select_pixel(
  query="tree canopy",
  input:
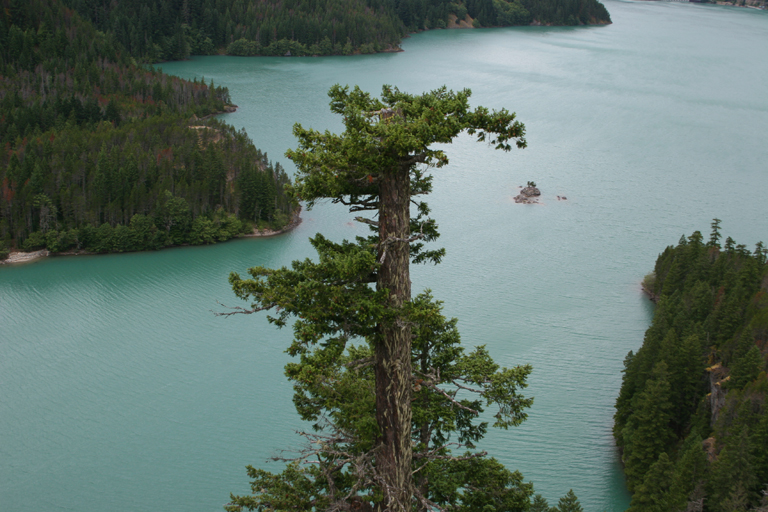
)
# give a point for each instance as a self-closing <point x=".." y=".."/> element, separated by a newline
<point x="171" y="30"/>
<point x="692" y="416"/>
<point x="94" y="144"/>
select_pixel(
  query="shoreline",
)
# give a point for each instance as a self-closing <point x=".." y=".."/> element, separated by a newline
<point x="19" y="257"/>
<point x="258" y="233"/>
<point x="648" y="293"/>
<point x="228" y="109"/>
<point x="725" y="3"/>
<point x="25" y="257"/>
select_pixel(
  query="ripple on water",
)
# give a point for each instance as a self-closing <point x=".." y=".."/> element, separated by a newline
<point x="122" y="390"/>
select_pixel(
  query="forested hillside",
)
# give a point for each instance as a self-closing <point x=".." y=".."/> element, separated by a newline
<point x="692" y="416"/>
<point x="175" y="29"/>
<point x="103" y="155"/>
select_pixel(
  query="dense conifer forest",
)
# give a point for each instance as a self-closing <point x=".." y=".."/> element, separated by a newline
<point x="175" y="29"/>
<point x="103" y="155"/>
<point x="692" y="416"/>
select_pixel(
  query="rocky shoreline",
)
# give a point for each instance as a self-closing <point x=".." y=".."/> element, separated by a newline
<point x="295" y="221"/>
<point x="228" y="109"/>
<point x="25" y="257"/>
<point x="647" y="291"/>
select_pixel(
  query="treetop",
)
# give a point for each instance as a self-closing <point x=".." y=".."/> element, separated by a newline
<point x="390" y="134"/>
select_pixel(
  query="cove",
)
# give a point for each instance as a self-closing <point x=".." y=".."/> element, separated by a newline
<point x="121" y="390"/>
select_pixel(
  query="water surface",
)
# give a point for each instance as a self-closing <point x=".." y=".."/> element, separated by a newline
<point x="121" y="390"/>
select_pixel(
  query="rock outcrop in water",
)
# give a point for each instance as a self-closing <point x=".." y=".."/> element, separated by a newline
<point x="528" y="195"/>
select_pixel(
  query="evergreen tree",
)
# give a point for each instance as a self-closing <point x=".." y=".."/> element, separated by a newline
<point x="647" y="433"/>
<point x="539" y="504"/>
<point x="377" y="165"/>
<point x="171" y="30"/>
<point x="75" y="161"/>
<point x="568" y="503"/>
<point x="711" y="307"/>
<point x="690" y="473"/>
<point x="733" y="482"/>
<point x="714" y="238"/>
<point x="653" y="494"/>
<point x="747" y="368"/>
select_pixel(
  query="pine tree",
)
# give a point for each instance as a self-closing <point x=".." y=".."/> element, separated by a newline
<point x="711" y="307"/>
<point x="568" y="503"/>
<point x="378" y="164"/>
<point x="539" y="504"/>
<point x="690" y="473"/>
<point x="733" y="480"/>
<point x="653" y="494"/>
<point x="746" y="368"/>
<point x="647" y="433"/>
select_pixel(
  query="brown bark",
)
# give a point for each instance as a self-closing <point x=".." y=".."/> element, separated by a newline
<point x="393" y="347"/>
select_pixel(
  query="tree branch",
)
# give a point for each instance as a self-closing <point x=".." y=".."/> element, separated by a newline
<point x="367" y="221"/>
<point x="431" y="385"/>
<point x="239" y="310"/>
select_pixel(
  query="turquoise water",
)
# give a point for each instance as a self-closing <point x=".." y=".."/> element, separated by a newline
<point x="120" y="390"/>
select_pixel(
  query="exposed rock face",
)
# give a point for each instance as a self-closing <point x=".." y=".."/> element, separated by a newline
<point x="710" y="447"/>
<point x="528" y="195"/>
<point x="454" y="22"/>
<point x="23" y="257"/>
<point x="717" y="375"/>
<point x="530" y="191"/>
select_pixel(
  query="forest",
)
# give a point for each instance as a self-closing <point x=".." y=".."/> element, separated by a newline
<point x="103" y="155"/>
<point x="174" y="29"/>
<point x="692" y="417"/>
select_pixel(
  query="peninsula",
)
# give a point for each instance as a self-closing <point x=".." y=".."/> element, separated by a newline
<point x="103" y="155"/>
<point x="692" y="418"/>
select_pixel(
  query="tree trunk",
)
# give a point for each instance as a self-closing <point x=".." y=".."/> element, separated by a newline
<point x="393" y="347"/>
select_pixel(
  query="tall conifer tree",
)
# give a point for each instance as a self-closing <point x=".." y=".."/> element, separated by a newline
<point x="378" y="164"/>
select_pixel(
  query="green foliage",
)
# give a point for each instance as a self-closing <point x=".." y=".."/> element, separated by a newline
<point x="699" y="374"/>
<point x="166" y="30"/>
<point x="92" y="139"/>
<point x="733" y="484"/>
<point x="334" y="385"/>
<point x="410" y="124"/>
<point x="689" y="474"/>
<point x="569" y="503"/>
<point x="477" y="484"/>
<point x="342" y="324"/>
<point x="653" y="494"/>
<point x="539" y="504"/>
<point x="511" y="13"/>
<point x="746" y="369"/>
<point x="647" y="433"/>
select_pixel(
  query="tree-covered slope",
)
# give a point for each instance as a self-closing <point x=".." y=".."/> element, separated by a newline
<point x="692" y="416"/>
<point x="93" y="143"/>
<point x="174" y="29"/>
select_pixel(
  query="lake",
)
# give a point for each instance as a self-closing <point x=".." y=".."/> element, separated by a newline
<point x="122" y="391"/>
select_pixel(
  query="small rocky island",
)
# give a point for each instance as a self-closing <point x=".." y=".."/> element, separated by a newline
<point x="528" y="194"/>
